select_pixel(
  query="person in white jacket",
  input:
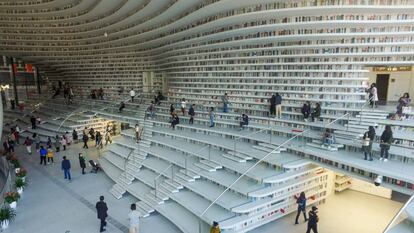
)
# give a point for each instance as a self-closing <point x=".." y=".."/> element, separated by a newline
<point x="132" y="94"/>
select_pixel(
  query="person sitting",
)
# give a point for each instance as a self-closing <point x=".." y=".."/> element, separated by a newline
<point x="403" y="102"/>
<point x="174" y="120"/>
<point x="244" y="121"/>
<point x="306" y="110"/>
<point x="328" y="138"/>
<point x="121" y="106"/>
<point x="316" y="113"/>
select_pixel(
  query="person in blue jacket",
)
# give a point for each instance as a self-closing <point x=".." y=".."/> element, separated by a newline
<point x="66" y="168"/>
<point x="301" y="201"/>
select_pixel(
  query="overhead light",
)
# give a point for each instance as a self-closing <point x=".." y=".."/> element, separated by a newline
<point x="105" y="34"/>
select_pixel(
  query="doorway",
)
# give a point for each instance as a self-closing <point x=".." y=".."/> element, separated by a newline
<point x="382" y="87"/>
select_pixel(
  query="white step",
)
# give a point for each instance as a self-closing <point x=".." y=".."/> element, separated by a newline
<point x="336" y="145"/>
<point x="363" y="123"/>
<point x="321" y="146"/>
<point x="373" y="113"/>
<point x="162" y="194"/>
<point x="144" y="209"/>
<point x="237" y="154"/>
<point x="268" y="150"/>
<point x="184" y="177"/>
<point x="191" y="173"/>
<point x="169" y="188"/>
<point x="271" y="146"/>
<point x="173" y="184"/>
<point x="371" y="117"/>
<point x="152" y="199"/>
<point x="356" y="126"/>
<point x="211" y="164"/>
<point x="348" y="134"/>
<point x="234" y="158"/>
<point x="204" y="167"/>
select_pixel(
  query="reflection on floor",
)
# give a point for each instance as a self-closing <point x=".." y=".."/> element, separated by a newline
<point x="346" y="212"/>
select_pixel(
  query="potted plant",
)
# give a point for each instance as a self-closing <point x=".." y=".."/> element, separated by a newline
<point x="22" y="173"/>
<point x="20" y="184"/>
<point x="11" y="199"/>
<point x="6" y="215"/>
<point x="16" y="163"/>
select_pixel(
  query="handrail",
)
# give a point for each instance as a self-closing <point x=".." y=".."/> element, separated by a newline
<point x="363" y="106"/>
<point x="259" y="161"/>
<point x="390" y="224"/>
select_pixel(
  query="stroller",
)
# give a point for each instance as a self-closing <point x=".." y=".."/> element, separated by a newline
<point x="95" y="166"/>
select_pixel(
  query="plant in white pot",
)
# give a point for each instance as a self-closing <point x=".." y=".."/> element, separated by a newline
<point x="16" y="163"/>
<point x="6" y="215"/>
<point x="22" y="173"/>
<point x="11" y="199"/>
<point x="20" y="185"/>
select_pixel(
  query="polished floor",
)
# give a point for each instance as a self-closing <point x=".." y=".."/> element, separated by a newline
<point x="52" y="204"/>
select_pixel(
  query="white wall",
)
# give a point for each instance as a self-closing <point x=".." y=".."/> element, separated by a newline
<point x="404" y="82"/>
<point x="370" y="188"/>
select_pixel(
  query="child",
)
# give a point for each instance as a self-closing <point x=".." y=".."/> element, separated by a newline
<point x="50" y="156"/>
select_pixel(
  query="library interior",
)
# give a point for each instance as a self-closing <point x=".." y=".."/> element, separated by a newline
<point x="197" y="116"/>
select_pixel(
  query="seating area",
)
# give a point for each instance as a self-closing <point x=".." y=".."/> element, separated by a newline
<point x="195" y="162"/>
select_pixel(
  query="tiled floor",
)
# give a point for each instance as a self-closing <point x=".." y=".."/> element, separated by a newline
<point x="51" y="204"/>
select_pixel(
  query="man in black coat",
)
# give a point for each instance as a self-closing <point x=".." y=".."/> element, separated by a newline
<point x="82" y="163"/>
<point x="102" y="210"/>
<point x="33" y="121"/>
<point x="85" y="139"/>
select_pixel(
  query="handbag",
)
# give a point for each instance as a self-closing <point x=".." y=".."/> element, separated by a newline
<point x="365" y="141"/>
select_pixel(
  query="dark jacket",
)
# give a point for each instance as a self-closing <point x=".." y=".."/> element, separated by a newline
<point x="191" y="111"/>
<point x="313" y="218"/>
<point x="102" y="209"/>
<point x="278" y="100"/>
<point x="273" y="100"/>
<point x="65" y="164"/>
<point x="317" y="112"/>
<point x="301" y="203"/>
<point x="386" y="139"/>
<point x="82" y="162"/>
<point x="85" y="138"/>
<point x="74" y="135"/>
<point x="245" y="120"/>
<point x="306" y="110"/>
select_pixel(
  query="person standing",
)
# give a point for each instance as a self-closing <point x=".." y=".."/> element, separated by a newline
<point x="43" y="153"/>
<point x="306" y="110"/>
<point x="57" y="143"/>
<point x="33" y="121"/>
<point x="66" y="168"/>
<point x="85" y="139"/>
<point x="28" y="143"/>
<point x="215" y="228"/>
<point x="50" y="156"/>
<point x="272" y="105"/>
<point x="183" y="106"/>
<point x="172" y="109"/>
<point x="225" y="100"/>
<point x="313" y="220"/>
<point x="137" y="133"/>
<point x="132" y="94"/>
<point x="121" y="106"/>
<point x="82" y="163"/>
<point x="174" y="120"/>
<point x="301" y="201"/>
<point x="102" y="210"/>
<point x="316" y="113"/>
<point x="16" y="135"/>
<point x="373" y="95"/>
<point x="36" y="139"/>
<point x="49" y="143"/>
<point x="151" y="110"/>
<point x="212" y="116"/>
<point x="75" y="136"/>
<point x="244" y="121"/>
<point x="191" y="112"/>
<point x="278" y="106"/>
<point x="385" y="144"/>
<point x="134" y="219"/>
<point x="108" y="138"/>
<point x="367" y="141"/>
<point x="63" y="142"/>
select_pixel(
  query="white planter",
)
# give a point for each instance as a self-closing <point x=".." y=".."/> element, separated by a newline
<point x="13" y="205"/>
<point x="20" y="191"/>
<point x="23" y="178"/>
<point x="17" y="170"/>
<point x="4" y="224"/>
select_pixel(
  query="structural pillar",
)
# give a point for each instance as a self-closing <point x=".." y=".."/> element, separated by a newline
<point x="37" y="80"/>
<point x="14" y="82"/>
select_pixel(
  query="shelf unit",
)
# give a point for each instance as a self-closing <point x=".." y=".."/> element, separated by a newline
<point x="342" y="182"/>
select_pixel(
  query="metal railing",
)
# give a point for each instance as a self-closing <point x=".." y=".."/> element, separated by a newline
<point x="362" y="108"/>
<point x="399" y="215"/>
<point x="258" y="162"/>
<point x="163" y="172"/>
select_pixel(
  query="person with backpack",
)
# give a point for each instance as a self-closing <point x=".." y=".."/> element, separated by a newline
<point x="301" y="201"/>
<point x="367" y="140"/>
<point x="191" y="112"/>
<point x="313" y="220"/>
<point x="385" y="144"/>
